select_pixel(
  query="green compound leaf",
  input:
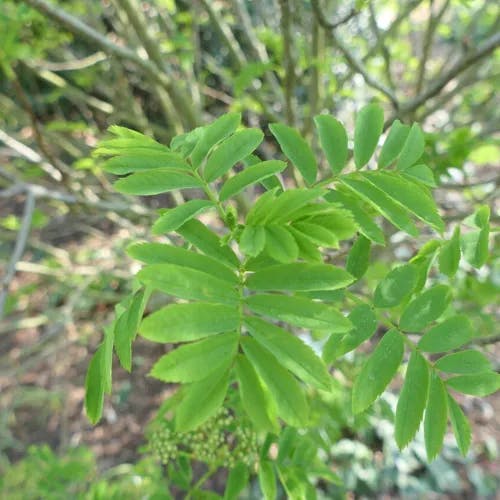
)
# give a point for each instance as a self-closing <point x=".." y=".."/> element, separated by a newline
<point x="299" y="311"/>
<point x="393" y="143"/>
<point x="316" y="234"/>
<point x="475" y="247"/>
<point x="412" y="400"/>
<point x="460" y="425"/>
<point x="387" y="207"/>
<point x="365" y="324"/>
<point x="449" y="255"/>
<point x="201" y="400"/>
<point x="291" y="351"/>
<point x="94" y="388"/>
<point x="308" y="250"/>
<point x="286" y="391"/>
<point x="175" y="217"/>
<point x="107" y="358"/>
<point x="478" y="384"/>
<point x="409" y="195"/>
<point x="187" y="283"/>
<point x="365" y="222"/>
<point x="208" y="242"/>
<point x="157" y="181"/>
<point x="296" y="148"/>
<point x="464" y="362"/>
<point x="413" y="148"/>
<point x="420" y="173"/>
<point x="126" y="327"/>
<point x="436" y="417"/>
<point x="378" y="371"/>
<point x="287" y="204"/>
<point x="212" y="134"/>
<point x="452" y="333"/>
<point x="397" y="286"/>
<point x="237" y="481"/>
<point x="280" y="244"/>
<point x="186" y="322"/>
<point x="358" y="259"/>
<point x="300" y="277"/>
<point x="126" y="164"/>
<point x="249" y="176"/>
<point x="425" y="308"/>
<point x="196" y="361"/>
<point x="368" y="127"/>
<point x="333" y="140"/>
<point x="159" y="253"/>
<point x="231" y="151"/>
<point x="267" y="480"/>
<point x="253" y="240"/>
<point x="254" y="398"/>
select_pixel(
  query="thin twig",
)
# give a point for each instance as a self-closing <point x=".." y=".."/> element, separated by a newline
<point x="22" y="238"/>
<point x="350" y="58"/>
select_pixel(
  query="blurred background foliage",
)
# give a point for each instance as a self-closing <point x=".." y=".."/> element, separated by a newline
<point x="69" y="69"/>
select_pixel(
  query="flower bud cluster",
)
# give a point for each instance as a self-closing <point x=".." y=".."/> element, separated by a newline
<point x="221" y="440"/>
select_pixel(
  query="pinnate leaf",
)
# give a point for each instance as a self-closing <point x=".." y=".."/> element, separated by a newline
<point x="175" y="217"/>
<point x="397" y="285"/>
<point x="425" y="308"/>
<point x="460" y="425"/>
<point x="477" y="384"/>
<point x="436" y="417"/>
<point x="464" y="362"/>
<point x="393" y="143"/>
<point x="413" y="147"/>
<point x="412" y="400"/>
<point x="296" y="148"/>
<point x="378" y="371"/>
<point x="368" y="127"/>
<point x="450" y="334"/>
<point x="333" y="140"/>
<point x="159" y="180"/>
<point x="186" y="322"/>
<point x="197" y="360"/>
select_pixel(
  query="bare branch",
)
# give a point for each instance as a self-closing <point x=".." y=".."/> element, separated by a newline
<point x="350" y="58"/>
<point x="22" y="238"/>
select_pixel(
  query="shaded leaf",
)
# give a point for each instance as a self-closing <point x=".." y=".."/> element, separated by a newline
<point x="452" y="333"/>
<point x="413" y="148"/>
<point x="460" y="425"/>
<point x="396" y="286"/>
<point x="378" y="371"/>
<point x="426" y="307"/>
<point x="412" y="400"/>
<point x="358" y="257"/>
<point x="393" y="143"/>
<point x="291" y="351"/>
<point x="287" y="393"/>
<point x="436" y="417"/>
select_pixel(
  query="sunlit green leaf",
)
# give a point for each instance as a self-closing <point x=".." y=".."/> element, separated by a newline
<point x="159" y="180"/>
<point x="449" y="254"/>
<point x="464" y="362"/>
<point x="413" y="148"/>
<point x="393" y="143"/>
<point x="333" y="140"/>
<point x="280" y="244"/>
<point x="175" y="217"/>
<point x="478" y="384"/>
<point x="253" y="240"/>
<point x="452" y="333"/>
<point x="368" y="127"/>
<point x="396" y="286"/>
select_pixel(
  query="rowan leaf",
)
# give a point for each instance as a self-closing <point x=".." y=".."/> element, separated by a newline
<point x="299" y="277"/>
<point x="156" y="181"/>
<point x="396" y="286"/>
<point x="186" y="322"/>
<point x="253" y="240"/>
<point x="449" y="254"/>
<point x="393" y="143"/>
<point x="280" y="244"/>
<point x="368" y="127"/>
<point x="378" y="371"/>
<point x="201" y="400"/>
<point x="413" y="148"/>
<point x="333" y="140"/>
<point x="197" y="360"/>
<point x="412" y="399"/>
<point x="296" y="148"/>
<point x="436" y="417"/>
<point x="231" y="151"/>
<point x="450" y="334"/>
<point x="299" y="311"/>
<point x="477" y="384"/>
<point x="212" y="134"/>
<point x="291" y="351"/>
<point x="358" y="258"/>
<point x="175" y="217"/>
<point x="464" y="362"/>
<point x="425" y="308"/>
<point x="460" y="425"/>
<point x="287" y="393"/>
<point x="249" y="176"/>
